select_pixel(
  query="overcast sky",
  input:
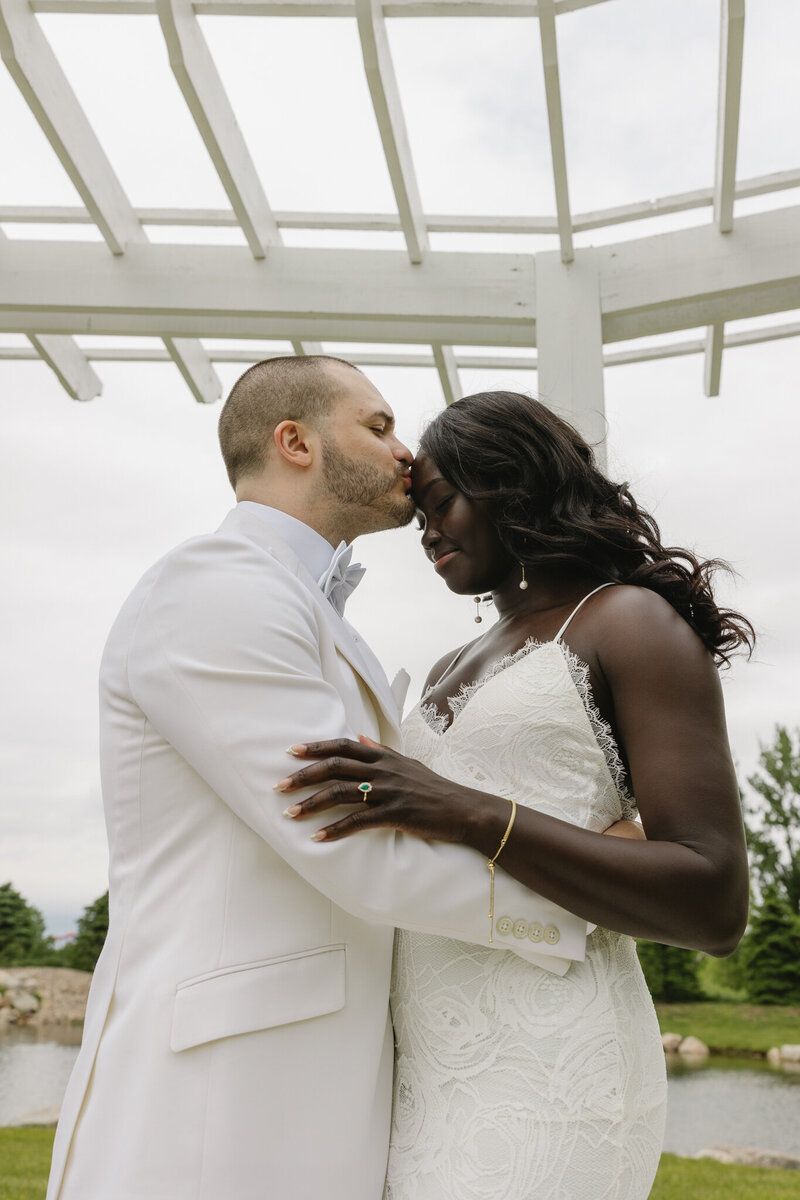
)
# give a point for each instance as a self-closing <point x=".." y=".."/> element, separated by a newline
<point x="93" y="493"/>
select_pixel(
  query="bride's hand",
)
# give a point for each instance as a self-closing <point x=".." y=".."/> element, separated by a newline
<point x="387" y="789"/>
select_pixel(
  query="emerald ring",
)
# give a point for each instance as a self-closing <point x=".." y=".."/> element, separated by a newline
<point x="365" y="789"/>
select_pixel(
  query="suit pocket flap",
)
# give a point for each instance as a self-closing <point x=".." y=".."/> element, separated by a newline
<point x="258" y="995"/>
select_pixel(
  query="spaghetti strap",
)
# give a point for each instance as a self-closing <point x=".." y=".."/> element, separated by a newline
<point x="578" y="607"/>
<point x="448" y="668"/>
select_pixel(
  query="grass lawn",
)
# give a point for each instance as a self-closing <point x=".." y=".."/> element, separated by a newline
<point x="704" y="1179"/>
<point x="732" y="1026"/>
<point x="25" y="1161"/>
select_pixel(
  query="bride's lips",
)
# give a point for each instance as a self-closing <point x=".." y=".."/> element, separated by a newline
<point x="444" y="560"/>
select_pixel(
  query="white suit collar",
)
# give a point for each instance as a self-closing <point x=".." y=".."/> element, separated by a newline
<point x="348" y="641"/>
<point x="314" y="551"/>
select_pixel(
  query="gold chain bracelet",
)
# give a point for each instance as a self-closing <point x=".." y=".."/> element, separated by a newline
<point x="490" y="865"/>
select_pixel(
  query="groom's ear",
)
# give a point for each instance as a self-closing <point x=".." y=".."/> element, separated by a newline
<point x="295" y="443"/>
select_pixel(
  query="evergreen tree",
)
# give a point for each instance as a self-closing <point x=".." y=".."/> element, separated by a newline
<point x="773" y="833"/>
<point x="22" y="936"/>
<point x="771" y="953"/>
<point x="670" y="973"/>
<point x="90" y="938"/>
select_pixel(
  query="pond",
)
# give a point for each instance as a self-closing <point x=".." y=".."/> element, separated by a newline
<point x="730" y="1101"/>
<point x="35" y="1065"/>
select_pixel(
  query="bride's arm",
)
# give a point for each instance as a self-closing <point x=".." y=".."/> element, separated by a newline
<point x="687" y="884"/>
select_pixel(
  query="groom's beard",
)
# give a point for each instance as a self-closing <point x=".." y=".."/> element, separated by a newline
<point x="356" y="484"/>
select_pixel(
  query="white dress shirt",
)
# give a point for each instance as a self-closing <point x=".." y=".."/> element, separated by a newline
<point x="314" y="551"/>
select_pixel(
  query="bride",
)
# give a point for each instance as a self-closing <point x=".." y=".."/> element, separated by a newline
<point x="596" y="683"/>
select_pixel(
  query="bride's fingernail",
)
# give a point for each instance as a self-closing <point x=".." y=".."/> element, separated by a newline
<point x="282" y="785"/>
<point x="319" y="836"/>
<point x="296" y="751"/>
<point x="292" y="811"/>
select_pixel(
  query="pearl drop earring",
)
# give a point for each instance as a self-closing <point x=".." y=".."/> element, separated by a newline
<point x="524" y="583"/>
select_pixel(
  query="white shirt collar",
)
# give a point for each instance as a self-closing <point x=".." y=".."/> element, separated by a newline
<point x="314" y="551"/>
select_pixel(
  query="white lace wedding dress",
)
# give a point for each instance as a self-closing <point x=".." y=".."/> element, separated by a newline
<point x="512" y="1083"/>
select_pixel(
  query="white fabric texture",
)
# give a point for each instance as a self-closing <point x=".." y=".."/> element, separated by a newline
<point x="239" y="1012"/>
<point x="510" y="1082"/>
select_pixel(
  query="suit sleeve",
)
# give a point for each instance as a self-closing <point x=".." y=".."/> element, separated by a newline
<point x="225" y="664"/>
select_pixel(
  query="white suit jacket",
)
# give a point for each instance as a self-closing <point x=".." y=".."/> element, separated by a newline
<point x="237" y="1044"/>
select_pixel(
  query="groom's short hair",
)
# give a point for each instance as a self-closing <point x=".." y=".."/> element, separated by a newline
<point x="298" y="388"/>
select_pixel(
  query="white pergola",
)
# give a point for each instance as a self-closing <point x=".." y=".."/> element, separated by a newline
<point x="570" y="304"/>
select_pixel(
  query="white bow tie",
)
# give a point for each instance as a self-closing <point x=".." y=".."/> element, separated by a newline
<point x="341" y="578"/>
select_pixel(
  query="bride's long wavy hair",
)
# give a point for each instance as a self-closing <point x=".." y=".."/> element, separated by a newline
<point x="538" y="482"/>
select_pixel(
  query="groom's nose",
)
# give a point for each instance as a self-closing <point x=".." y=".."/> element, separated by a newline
<point x="402" y="453"/>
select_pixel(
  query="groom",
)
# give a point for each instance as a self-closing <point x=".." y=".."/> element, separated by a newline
<point x="237" y="1043"/>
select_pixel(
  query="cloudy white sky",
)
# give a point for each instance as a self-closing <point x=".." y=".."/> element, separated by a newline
<point x="93" y="493"/>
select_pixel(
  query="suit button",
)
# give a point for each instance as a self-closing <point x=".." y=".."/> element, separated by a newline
<point x="552" y="934"/>
<point x="535" y="931"/>
<point x="520" y="929"/>
<point x="504" y="926"/>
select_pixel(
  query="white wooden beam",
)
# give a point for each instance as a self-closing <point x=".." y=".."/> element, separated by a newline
<point x="319" y="8"/>
<point x="69" y="363"/>
<point x="203" y="90"/>
<point x="39" y="76"/>
<point x="65" y="358"/>
<point x="731" y="55"/>
<point x="679" y="280"/>
<point x="760" y="185"/>
<point x="196" y="367"/>
<point x="309" y="294"/>
<point x="463" y="362"/>
<point x="712" y="368"/>
<point x="555" y="117"/>
<point x="445" y="361"/>
<point x="391" y="124"/>
<point x="569" y="342"/>
<point x="694" y="277"/>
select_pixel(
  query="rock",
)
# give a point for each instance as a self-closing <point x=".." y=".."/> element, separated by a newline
<point x="7" y="980"/>
<point x="774" y="1056"/>
<point x="37" y="1116"/>
<point x="692" y="1047"/>
<point x="671" y="1042"/>
<point x="790" y="1054"/>
<point x="63" y="993"/>
<point x="746" y="1156"/>
<point x="22" y="1001"/>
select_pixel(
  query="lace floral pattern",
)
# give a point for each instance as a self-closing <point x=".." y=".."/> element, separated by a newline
<point x="439" y="723"/>
<point x="510" y="1081"/>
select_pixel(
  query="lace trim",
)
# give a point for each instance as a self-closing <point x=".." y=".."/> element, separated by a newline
<point x="601" y="729"/>
<point x="579" y="673"/>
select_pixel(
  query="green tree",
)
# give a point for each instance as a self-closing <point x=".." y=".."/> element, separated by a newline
<point x="671" y="973"/>
<point x="22" y="937"/>
<point x="90" y="938"/>
<point x="771" y="952"/>
<point x="773" y="819"/>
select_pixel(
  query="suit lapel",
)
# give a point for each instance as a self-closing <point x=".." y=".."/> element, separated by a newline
<point x="348" y="642"/>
